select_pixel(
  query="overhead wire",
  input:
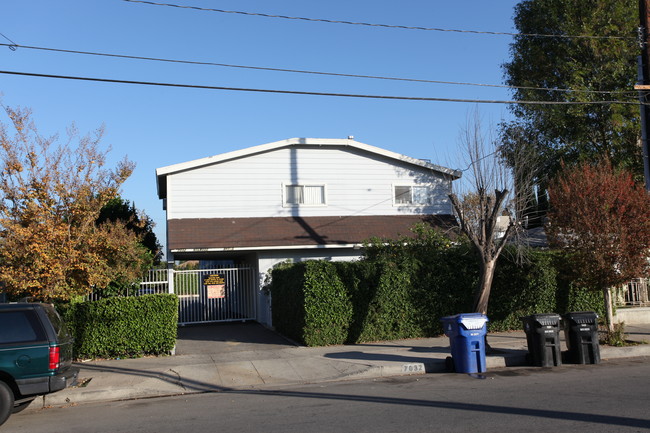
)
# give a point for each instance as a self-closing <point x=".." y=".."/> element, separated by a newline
<point x="631" y="94"/>
<point x="298" y="92"/>
<point x="436" y="29"/>
<point x="498" y="150"/>
<point x="13" y="45"/>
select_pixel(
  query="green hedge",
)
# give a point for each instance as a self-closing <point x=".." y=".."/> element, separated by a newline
<point x="123" y="326"/>
<point x="401" y="290"/>
<point x="392" y="311"/>
<point x="522" y="289"/>
<point x="315" y="309"/>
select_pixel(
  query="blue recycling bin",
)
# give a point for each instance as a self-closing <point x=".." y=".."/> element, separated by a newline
<point x="466" y="334"/>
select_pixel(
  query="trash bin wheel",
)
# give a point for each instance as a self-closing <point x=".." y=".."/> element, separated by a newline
<point x="449" y="364"/>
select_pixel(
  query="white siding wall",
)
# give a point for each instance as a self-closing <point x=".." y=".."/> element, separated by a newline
<point x="357" y="183"/>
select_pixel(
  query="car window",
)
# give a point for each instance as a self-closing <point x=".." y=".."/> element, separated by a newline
<point x="57" y="322"/>
<point x="20" y="327"/>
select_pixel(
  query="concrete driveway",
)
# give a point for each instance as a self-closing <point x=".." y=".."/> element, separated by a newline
<point x="217" y="338"/>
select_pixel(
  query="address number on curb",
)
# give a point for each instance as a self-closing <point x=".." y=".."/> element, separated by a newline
<point x="413" y="368"/>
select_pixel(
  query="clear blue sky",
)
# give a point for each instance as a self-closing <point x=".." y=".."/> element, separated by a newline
<point x="157" y="126"/>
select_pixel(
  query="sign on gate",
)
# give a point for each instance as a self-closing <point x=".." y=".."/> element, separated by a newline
<point x="215" y="285"/>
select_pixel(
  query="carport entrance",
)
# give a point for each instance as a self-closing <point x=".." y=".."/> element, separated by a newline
<point x="208" y="295"/>
<point x="223" y="338"/>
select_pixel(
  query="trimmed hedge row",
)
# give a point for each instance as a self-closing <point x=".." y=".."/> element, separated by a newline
<point x="315" y="308"/>
<point x="395" y="294"/>
<point x="123" y="326"/>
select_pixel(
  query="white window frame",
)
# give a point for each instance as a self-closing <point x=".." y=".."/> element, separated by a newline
<point x="412" y="186"/>
<point x="306" y="184"/>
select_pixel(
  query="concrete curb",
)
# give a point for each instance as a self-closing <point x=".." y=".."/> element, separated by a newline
<point x="351" y="371"/>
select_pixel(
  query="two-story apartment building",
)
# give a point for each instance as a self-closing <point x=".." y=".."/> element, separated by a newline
<point x="297" y="199"/>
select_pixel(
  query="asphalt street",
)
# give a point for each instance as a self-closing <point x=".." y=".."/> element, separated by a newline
<point x="607" y="397"/>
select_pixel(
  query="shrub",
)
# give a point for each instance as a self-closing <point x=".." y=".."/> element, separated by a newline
<point x="328" y="311"/>
<point x="403" y="287"/>
<point x="288" y="300"/>
<point x="519" y="290"/>
<point x="310" y="303"/>
<point x="391" y="313"/>
<point x="123" y="327"/>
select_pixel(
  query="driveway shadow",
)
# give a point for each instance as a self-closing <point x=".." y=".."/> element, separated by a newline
<point x="218" y="338"/>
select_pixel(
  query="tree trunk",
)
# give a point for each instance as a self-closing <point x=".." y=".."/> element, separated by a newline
<point x="485" y="284"/>
<point x="609" y="309"/>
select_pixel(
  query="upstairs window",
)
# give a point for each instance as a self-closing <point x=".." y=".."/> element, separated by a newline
<point x="310" y="195"/>
<point x="412" y="195"/>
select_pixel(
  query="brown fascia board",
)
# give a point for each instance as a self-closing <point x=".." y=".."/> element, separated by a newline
<point x="243" y="233"/>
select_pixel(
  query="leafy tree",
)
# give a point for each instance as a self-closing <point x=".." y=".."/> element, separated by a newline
<point x="130" y="256"/>
<point x="595" y="70"/>
<point x="51" y="194"/>
<point x="603" y="218"/>
<point x="124" y="259"/>
<point x="118" y="209"/>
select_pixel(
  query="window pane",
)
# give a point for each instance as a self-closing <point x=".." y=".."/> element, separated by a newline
<point x="305" y="194"/>
<point x="314" y="194"/>
<point x="420" y="195"/>
<point x="403" y="195"/>
<point x="294" y="194"/>
<point x="19" y="327"/>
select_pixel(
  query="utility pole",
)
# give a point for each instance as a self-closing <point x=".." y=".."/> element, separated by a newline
<point x="644" y="87"/>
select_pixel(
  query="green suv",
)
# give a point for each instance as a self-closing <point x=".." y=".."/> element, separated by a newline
<point x="35" y="355"/>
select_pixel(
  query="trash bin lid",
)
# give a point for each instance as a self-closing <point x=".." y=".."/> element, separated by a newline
<point x="546" y="319"/>
<point x="472" y="321"/>
<point x="582" y="317"/>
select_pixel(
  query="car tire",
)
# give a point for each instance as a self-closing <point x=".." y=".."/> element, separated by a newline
<point x="22" y="406"/>
<point x="6" y="402"/>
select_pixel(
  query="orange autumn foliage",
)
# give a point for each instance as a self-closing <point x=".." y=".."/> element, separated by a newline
<point x="50" y="196"/>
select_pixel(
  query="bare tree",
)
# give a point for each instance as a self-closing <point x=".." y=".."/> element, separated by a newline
<point x="490" y="191"/>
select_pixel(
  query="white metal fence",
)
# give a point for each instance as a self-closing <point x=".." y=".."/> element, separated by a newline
<point x="636" y="292"/>
<point x="206" y="295"/>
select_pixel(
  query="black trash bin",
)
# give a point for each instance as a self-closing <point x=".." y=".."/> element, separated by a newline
<point x="543" y="338"/>
<point x="581" y="336"/>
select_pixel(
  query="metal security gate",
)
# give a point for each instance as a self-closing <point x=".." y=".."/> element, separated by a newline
<point x="216" y="295"/>
<point x="208" y="295"/>
<point x="637" y="292"/>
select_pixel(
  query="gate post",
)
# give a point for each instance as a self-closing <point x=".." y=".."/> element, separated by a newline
<point x="170" y="280"/>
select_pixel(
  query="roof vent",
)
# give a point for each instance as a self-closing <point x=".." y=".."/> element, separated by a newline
<point x="350" y="137"/>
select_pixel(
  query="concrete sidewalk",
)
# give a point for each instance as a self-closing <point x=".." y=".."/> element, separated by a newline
<point x="262" y="366"/>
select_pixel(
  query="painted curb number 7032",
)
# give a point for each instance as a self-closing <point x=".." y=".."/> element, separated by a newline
<point x="413" y="368"/>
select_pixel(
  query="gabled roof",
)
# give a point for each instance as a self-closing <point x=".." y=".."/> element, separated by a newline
<point x="161" y="173"/>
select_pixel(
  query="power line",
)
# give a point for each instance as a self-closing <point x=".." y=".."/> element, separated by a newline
<point x="13" y="45"/>
<point x="540" y="35"/>
<point x="480" y="159"/>
<point x="632" y="94"/>
<point x="297" y="92"/>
